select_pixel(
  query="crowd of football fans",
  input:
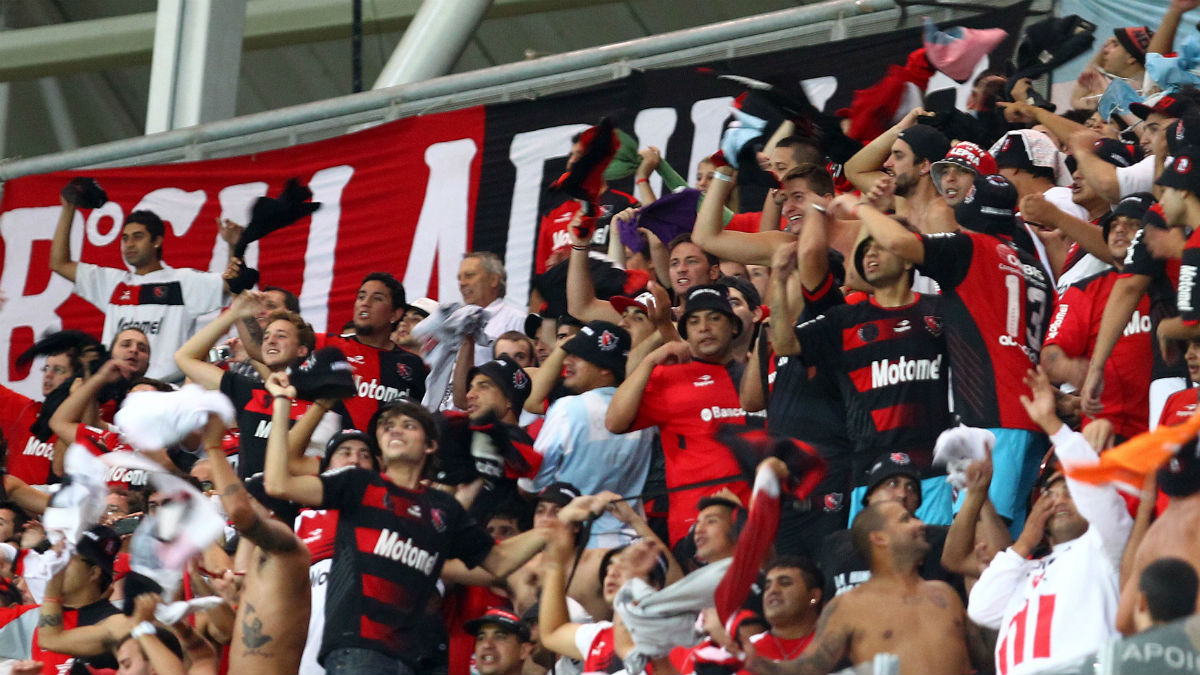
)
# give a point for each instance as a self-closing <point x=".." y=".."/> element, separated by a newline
<point x="895" y="387"/>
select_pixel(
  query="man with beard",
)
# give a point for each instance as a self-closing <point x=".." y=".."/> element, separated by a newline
<point x="791" y="605"/>
<point x="896" y="612"/>
<point x="904" y="156"/>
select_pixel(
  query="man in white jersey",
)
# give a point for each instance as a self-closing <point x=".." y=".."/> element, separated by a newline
<point x="1064" y="604"/>
<point x="161" y="301"/>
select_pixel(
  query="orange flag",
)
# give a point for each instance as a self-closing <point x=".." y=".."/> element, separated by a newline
<point x="1128" y="464"/>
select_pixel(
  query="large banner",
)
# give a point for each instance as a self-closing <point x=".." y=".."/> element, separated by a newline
<point x="409" y="197"/>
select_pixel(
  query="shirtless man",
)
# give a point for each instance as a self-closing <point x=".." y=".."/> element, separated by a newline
<point x="896" y="612"/>
<point x="272" y="614"/>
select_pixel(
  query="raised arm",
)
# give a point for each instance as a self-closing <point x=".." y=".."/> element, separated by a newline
<point x="464" y="361"/>
<point x="1058" y="126"/>
<point x="555" y="629"/>
<point x="1099" y="174"/>
<point x="60" y="246"/>
<point x="785" y="301"/>
<point x="582" y="302"/>
<point x="299" y="435"/>
<point x="1163" y="40"/>
<point x="976" y="512"/>
<point x="278" y="481"/>
<point x="192" y="356"/>
<point x="1035" y="208"/>
<point x="72" y="411"/>
<point x="623" y="408"/>
<point x="710" y="235"/>
<point x="543" y="381"/>
<point x="508" y="555"/>
<point x="270" y="535"/>
<point x="651" y="157"/>
<point x="885" y="230"/>
<point x="865" y="168"/>
<point x="84" y="641"/>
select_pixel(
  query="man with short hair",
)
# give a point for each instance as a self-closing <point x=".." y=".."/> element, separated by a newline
<point x="792" y="601"/>
<point x="28" y="457"/>
<point x="896" y="612"/>
<point x="393" y="538"/>
<point x="574" y="445"/>
<point x="747" y="306"/>
<point x="954" y="174"/>
<point x="689" y="266"/>
<point x="717" y="526"/>
<point x="163" y="301"/>
<point x="483" y="281"/>
<point x="1067" y="599"/>
<point x="688" y="390"/>
<point x="893" y="477"/>
<point x="502" y="642"/>
<point x="516" y="346"/>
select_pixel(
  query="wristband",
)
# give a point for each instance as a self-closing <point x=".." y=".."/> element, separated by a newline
<point x="643" y="180"/>
<point x="577" y="247"/>
<point x="57" y="601"/>
<point x="722" y="177"/>
<point x="142" y="629"/>
<point x="820" y="208"/>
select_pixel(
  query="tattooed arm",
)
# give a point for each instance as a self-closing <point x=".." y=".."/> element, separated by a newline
<point x="83" y="641"/>
<point x="829" y="645"/>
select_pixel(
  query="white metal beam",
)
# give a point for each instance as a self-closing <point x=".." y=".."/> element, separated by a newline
<point x="433" y="41"/>
<point x="59" y="117"/>
<point x="197" y="54"/>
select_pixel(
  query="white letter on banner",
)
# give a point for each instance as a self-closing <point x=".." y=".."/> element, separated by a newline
<point x="326" y="186"/>
<point x="174" y="206"/>
<point x="236" y="202"/>
<point x="528" y="153"/>
<point x="20" y="228"/>
<point x="442" y="225"/>
<point x="707" y="117"/>
<point x="112" y="211"/>
<point x="654" y="126"/>
<point x="819" y="90"/>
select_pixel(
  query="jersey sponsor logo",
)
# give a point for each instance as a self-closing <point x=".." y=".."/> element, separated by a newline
<point x="414" y="511"/>
<point x="316" y="578"/>
<point x="560" y="239"/>
<point x="35" y="448"/>
<point x="902" y="326"/>
<point x="704" y="381"/>
<point x="391" y="546"/>
<point x="887" y="372"/>
<point x="372" y="389"/>
<point x="1187" y="282"/>
<point x="357" y="358"/>
<point x="1140" y="323"/>
<point x="147" y="327"/>
<point x="1137" y="237"/>
<point x="1059" y="315"/>
<point x="263" y="429"/>
<point x="120" y="474"/>
<point x="1007" y="340"/>
<point x="716" y="412"/>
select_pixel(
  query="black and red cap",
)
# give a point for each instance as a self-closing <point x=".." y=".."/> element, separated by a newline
<point x="498" y="616"/>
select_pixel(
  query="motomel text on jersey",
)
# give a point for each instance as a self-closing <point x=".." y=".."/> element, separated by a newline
<point x="1140" y="323"/>
<point x="372" y="389"/>
<point x="35" y="448"/>
<point x="147" y="327"/>
<point x="887" y="372"/>
<point x="390" y="545"/>
<point x="1187" y="279"/>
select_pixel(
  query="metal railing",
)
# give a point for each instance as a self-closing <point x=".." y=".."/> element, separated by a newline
<point x="823" y="22"/>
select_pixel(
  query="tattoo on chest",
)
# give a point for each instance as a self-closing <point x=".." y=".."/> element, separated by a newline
<point x="253" y="637"/>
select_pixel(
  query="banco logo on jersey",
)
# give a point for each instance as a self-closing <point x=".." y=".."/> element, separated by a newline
<point x="391" y="546"/>
<point x="716" y="412"/>
<point x="887" y="372"/>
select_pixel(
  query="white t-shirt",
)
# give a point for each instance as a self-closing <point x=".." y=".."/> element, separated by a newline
<point x="504" y="316"/>
<point x="164" y="304"/>
<point x="1136" y="178"/>
<point x="1063" y="605"/>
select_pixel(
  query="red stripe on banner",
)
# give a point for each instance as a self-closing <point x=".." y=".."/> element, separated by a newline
<point x="894" y="417"/>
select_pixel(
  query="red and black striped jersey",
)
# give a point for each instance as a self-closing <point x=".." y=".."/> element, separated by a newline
<point x="381" y="375"/>
<point x="996" y="305"/>
<point x="390" y="545"/>
<point x="890" y="363"/>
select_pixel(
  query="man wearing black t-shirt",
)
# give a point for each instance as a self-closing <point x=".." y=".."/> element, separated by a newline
<point x="392" y="538"/>
<point x="996" y="300"/>
<point x="287" y="340"/>
<point x="889" y="357"/>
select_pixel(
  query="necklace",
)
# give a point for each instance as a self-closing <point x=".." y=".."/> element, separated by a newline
<point x="787" y="655"/>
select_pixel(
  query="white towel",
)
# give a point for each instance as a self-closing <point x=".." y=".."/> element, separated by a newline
<point x="155" y="420"/>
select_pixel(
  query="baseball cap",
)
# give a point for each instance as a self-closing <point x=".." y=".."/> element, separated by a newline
<point x="1179" y="171"/>
<point x="507" y="375"/>
<point x="1132" y="206"/>
<point x="99" y="545"/>
<point x="925" y="141"/>
<point x="888" y="465"/>
<point x="966" y="155"/>
<point x="341" y="437"/>
<point x="989" y="207"/>
<point x="1135" y="40"/>
<point x="559" y="493"/>
<point x="1110" y="150"/>
<point x="747" y="289"/>
<point x="425" y="306"/>
<point x="603" y="344"/>
<point x="708" y="297"/>
<point x="1164" y="104"/>
<point x="642" y="301"/>
<point x="503" y="618"/>
<point x="1155" y="217"/>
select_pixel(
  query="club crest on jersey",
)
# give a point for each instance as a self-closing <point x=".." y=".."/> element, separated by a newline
<point x="607" y="341"/>
<point x="438" y="517"/>
<point x="833" y="501"/>
<point x="404" y="371"/>
<point x="933" y="324"/>
<point x="520" y="379"/>
<point x="868" y="332"/>
<point x="159" y="291"/>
